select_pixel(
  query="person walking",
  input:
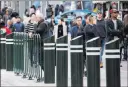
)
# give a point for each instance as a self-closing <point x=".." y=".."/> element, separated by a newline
<point x="101" y="30"/>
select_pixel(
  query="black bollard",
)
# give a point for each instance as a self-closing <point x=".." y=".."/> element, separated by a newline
<point x="9" y="52"/>
<point x="62" y="61"/>
<point x="93" y="62"/>
<point x="3" y="53"/>
<point x="113" y="63"/>
<point x="49" y="60"/>
<point x="77" y="62"/>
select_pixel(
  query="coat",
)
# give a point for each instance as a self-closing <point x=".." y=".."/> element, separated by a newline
<point x="111" y="32"/>
<point x="42" y="29"/>
<point x="55" y="32"/>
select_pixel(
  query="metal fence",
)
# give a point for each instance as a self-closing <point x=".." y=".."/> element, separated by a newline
<point x="30" y="55"/>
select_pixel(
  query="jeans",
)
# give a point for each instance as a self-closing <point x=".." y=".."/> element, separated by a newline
<point x="102" y="49"/>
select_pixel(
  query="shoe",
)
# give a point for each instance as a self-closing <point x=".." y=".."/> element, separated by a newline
<point x="101" y="65"/>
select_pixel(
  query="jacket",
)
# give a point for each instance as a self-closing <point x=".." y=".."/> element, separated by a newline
<point x="42" y="29"/>
<point x="101" y="30"/>
<point x="74" y="31"/>
<point x="90" y="31"/>
<point x="19" y="27"/>
<point x="55" y="32"/>
<point x="111" y="32"/>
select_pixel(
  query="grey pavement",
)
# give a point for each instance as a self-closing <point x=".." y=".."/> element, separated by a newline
<point x="8" y="78"/>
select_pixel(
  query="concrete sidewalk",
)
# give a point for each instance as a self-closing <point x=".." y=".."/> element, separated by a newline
<point x="10" y="79"/>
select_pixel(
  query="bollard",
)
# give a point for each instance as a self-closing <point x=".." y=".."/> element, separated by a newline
<point x="49" y="60"/>
<point x="62" y="61"/>
<point x="77" y="62"/>
<point x="113" y="63"/>
<point x="9" y="52"/>
<point x="93" y="62"/>
<point x="2" y="51"/>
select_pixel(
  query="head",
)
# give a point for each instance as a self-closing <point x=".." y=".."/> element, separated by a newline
<point x="91" y="19"/>
<point x="33" y="17"/>
<point x="61" y="21"/>
<point x="6" y="12"/>
<point x="32" y="9"/>
<point x="18" y="19"/>
<point x="99" y="15"/>
<point x="87" y="18"/>
<point x="26" y="13"/>
<point x="79" y="20"/>
<point x="114" y="13"/>
<point x="9" y="23"/>
<point x="126" y="20"/>
<point x="39" y="17"/>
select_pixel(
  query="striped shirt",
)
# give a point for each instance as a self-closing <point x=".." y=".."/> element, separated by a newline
<point x="30" y="27"/>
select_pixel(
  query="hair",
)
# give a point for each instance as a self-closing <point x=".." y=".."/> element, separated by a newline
<point x="32" y="14"/>
<point x="86" y="16"/>
<point x="126" y="20"/>
<point x="78" y="17"/>
<point x="40" y="15"/>
<point x="2" y="24"/>
<point x="33" y="7"/>
<point x="62" y="19"/>
<point x="91" y="19"/>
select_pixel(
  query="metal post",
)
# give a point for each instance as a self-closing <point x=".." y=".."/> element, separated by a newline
<point x="77" y="62"/>
<point x="93" y="62"/>
<point x="113" y="63"/>
<point x="9" y="52"/>
<point x="62" y="61"/>
<point x="2" y="50"/>
<point x="49" y="60"/>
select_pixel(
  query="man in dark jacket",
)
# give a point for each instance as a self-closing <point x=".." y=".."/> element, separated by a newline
<point x="115" y="27"/>
<point x="101" y="31"/>
<point x="78" y="29"/>
<point x="44" y="33"/>
<point x="42" y="26"/>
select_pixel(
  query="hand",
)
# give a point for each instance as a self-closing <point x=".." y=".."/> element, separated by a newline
<point x="30" y="34"/>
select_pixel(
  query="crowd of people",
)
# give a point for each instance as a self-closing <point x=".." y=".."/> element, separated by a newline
<point x="34" y="22"/>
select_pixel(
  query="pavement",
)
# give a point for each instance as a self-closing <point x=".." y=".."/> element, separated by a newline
<point x="8" y="78"/>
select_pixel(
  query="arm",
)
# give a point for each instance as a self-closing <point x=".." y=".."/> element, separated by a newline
<point x="41" y="28"/>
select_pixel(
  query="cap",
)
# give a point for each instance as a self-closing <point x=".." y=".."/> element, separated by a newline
<point x="114" y="11"/>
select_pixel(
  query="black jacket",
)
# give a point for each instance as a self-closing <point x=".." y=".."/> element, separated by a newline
<point x="90" y="32"/>
<point x="111" y="32"/>
<point x="101" y="30"/>
<point x="42" y="29"/>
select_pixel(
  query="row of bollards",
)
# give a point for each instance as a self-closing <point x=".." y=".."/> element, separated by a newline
<point x="29" y="56"/>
